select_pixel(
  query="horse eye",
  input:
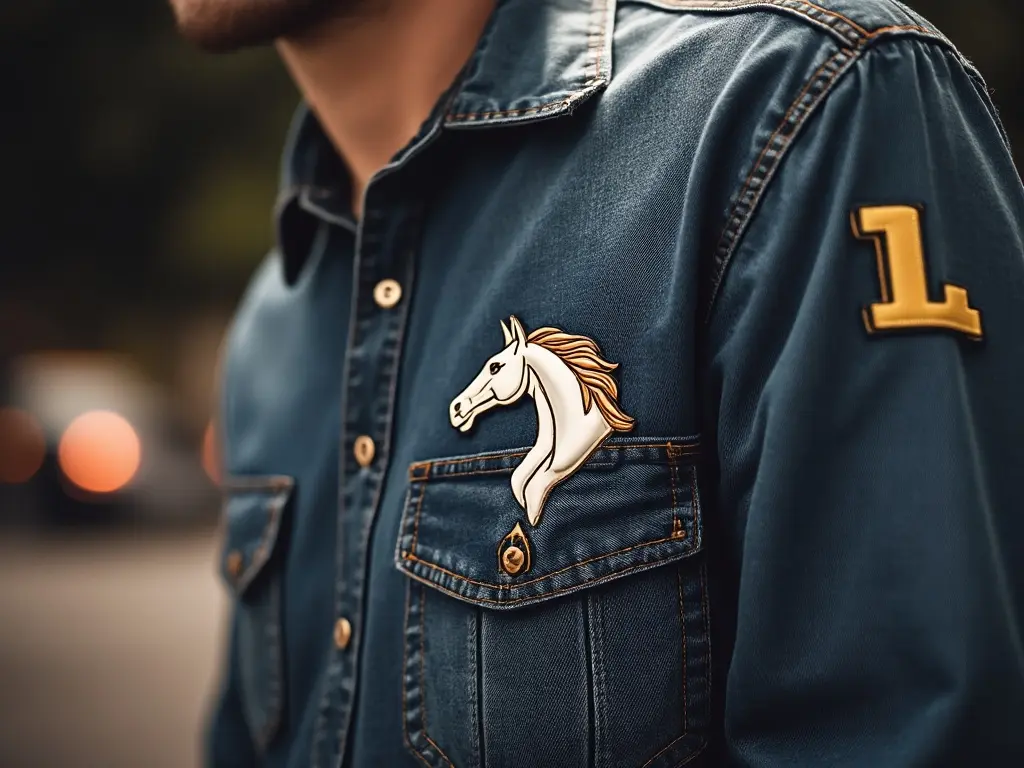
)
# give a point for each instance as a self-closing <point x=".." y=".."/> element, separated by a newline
<point x="495" y="367"/>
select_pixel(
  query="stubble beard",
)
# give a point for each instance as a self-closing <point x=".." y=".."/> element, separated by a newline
<point x="221" y="26"/>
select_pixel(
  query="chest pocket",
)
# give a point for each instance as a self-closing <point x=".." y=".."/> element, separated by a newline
<point x="582" y="641"/>
<point x="250" y="564"/>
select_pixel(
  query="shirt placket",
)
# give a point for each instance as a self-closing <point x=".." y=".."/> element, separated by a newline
<point x="382" y="284"/>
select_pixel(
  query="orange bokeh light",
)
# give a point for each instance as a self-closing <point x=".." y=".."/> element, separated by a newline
<point x="211" y="454"/>
<point x="100" y="452"/>
<point x="22" y="446"/>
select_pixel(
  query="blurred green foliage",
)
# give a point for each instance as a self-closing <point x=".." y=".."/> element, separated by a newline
<point x="139" y="174"/>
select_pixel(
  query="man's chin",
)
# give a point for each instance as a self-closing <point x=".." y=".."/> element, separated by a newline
<point x="221" y="26"/>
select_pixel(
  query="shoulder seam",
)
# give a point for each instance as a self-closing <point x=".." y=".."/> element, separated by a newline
<point x="747" y="201"/>
<point x="845" y="29"/>
<point x="763" y="170"/>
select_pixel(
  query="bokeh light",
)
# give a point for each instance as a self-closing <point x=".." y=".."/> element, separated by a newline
<point x="100" y="452"/>
<point x="22" y="446"/>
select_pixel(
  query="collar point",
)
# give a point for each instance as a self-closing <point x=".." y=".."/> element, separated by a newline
<point x="463" y="115"/>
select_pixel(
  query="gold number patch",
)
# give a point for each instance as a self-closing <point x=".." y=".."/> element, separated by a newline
<point x="896" y="232"/>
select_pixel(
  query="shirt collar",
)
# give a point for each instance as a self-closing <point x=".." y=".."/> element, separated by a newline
<point x="536" y="60"/>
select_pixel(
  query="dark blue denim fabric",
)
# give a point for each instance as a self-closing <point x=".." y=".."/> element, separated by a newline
<point x="807" y="549"/>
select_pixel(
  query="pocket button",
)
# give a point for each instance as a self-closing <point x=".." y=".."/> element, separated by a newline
<point x="512" y="560"/>
<point x="342" y="633"/>
<point x="234" y="563"/>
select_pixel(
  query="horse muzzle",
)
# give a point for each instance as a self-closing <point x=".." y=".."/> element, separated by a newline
<point x="463" y="411"/>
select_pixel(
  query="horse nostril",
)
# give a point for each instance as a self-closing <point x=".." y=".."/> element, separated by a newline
<point x="458" y="407"/>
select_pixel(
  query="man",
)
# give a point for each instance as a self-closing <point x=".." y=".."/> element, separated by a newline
<point x="632" y="383"/>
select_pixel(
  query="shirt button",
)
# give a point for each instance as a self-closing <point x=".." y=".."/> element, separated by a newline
<point x="364" y="450"/>
<point x="342" y="633"/>
<point x="387" y="293"/>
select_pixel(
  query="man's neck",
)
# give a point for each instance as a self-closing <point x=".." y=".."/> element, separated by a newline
<point x="373" y="78"/>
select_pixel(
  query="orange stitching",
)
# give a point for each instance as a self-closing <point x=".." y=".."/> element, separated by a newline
<point x="435" y="566"/>
<point x="405" y="667"/>
<point x="771" y="139"/>
<point x="707" y="634"/>
<point x="682" y="626"/>
<point x="663" y="750"/>
<point x="695" y="755"/>
<point x="419" y="505"/>
<point x="584" y="467"/>
<point x="509" y="112"/>
<point x="735" y="5"/>
<point x="546" y="595"/>
<point x="421" y="757"/>
<point x="768" y="146"/>
<point x="471" y="472"/>
<point x="694" y="496"/>
<point x="837" y="15"/>
<point x="901" y="28"/>
<point x="509" y="470"/>
<point x="672" y="480"/>
<point x="470" y="459"/>
<point x="862" y="43"/>
<point x="700" y="749"/>
<point x="414" y="468"/>
<point x="439" y="750"/>
<point x="249" y="574"/>
<point x="423" y="674"/>
<point x="685" y="449"/>
<point x="423" y="659"/>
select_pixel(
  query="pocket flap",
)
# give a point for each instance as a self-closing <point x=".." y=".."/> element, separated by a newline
<point x="632" y="506"/>
<point x="253" y="508"/>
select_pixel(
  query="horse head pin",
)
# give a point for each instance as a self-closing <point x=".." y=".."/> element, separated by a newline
<point x="575" y="395"/>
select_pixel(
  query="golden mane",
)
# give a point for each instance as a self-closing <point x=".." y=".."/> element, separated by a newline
<point x="583" y="357"/>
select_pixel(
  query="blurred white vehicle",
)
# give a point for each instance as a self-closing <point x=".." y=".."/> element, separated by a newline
<point x="85" y="438"/>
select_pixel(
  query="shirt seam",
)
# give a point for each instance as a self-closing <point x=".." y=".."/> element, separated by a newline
<point x="409" y="557"/>
<point x="747" y="201"/>
<point x="838" y="24"/>
<point x="547" y="594"/>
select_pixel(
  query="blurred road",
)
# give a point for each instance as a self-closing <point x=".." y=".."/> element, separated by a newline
<point x="108" y="649"/>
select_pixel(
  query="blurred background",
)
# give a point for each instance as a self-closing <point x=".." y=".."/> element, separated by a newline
<point x="139" y="177"/>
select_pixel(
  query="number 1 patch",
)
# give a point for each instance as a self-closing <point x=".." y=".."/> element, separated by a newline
<point x="896" y="232"/>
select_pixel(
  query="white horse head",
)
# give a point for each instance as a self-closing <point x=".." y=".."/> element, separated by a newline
<point x="566" y="376"/>
<point x="502" y="380"/>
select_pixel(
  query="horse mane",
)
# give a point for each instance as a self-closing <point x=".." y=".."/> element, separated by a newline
<point x="583" y="358"/>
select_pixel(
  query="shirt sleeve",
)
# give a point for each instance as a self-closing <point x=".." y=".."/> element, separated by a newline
<point x="870" y="451"/>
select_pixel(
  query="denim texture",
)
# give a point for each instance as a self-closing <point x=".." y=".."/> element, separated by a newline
<point x="253" y="509"/>
<point x="807" y="549"/>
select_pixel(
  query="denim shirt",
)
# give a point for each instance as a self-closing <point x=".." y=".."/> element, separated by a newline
<point x="665" y="407"/>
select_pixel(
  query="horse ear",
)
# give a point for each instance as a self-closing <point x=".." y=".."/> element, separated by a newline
<point x="507" y="333"/>
<point x="518" y="332"/>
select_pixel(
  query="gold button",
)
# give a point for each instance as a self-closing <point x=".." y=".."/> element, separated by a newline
<point x="364" y="450"/>
<point x="512" y="559"/>
<point x="387" y="293"/>
<point x="234" y="563"/>
<point x="342" y="633"/>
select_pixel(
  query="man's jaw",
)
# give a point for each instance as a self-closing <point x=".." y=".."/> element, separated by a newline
<point x="221" y="26"/>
